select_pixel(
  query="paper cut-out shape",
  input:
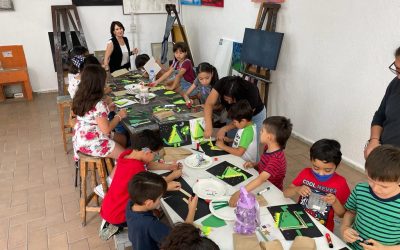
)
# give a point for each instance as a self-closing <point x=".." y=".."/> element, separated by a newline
<point x="175" y="134"/>
<point x="229" y="173"/>
<point x="212" y="221"/>
<point x="169" y="92"/>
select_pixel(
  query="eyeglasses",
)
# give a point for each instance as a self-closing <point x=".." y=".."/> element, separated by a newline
<point x="394" y="69"/>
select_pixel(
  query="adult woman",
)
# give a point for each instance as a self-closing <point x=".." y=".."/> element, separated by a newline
<point x="118" y="51"/>
<point x="229" y="90"/>
<point x="385" y="126"/>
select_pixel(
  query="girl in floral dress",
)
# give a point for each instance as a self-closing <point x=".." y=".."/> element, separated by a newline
<point x="93" y="129"/>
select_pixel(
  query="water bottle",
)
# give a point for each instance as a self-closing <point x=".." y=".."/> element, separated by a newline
<point x="152" y="76"/>
<point x="144" y="95"/>
<point x="247" y="213"/>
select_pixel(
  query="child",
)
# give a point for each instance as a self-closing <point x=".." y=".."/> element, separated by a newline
<point x="187" y="236"/>
<point x="144" y="230"/>
<point x="207" y="76"/>
<point x="132" y="161"/>
<point x="373" y="208"/>
<point x="141" y="60"/>
<point x="181" y="71"/>
<point x="92" y="129"/>
<point x="322" y="191"/>
<point x="76" y="57"/>
<point x="79" y="62"/>
<point x="245" y="141"/>
<point x="274" y="134"/>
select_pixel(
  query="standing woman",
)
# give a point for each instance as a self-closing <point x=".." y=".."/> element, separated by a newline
<point x="229" y="90"/>
<point x="385" y="126"/>
<point x="118" y="51"/>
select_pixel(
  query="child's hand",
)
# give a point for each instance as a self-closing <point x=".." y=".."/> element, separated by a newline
<point x="173" y="186"/>
<point x="349" y="234"/>
<point x="111" y="106"/>
<point x="221" y="134"/>
<point x="122" y="113"/>
<point x="234" y="199"/>
<point x="152" y="84"/>
<point x="175" y="165"/>
<point x="176" y="173"/>
<point x="207" y="132"/>
<point x="192" y="204"/>
<point x="304" y="190"/>
<point x="220" y="143"/>
<point x="107" y="90"/>
<point x="249" y="164"/>
<point x="374" y="245"/>
<point x="329" y="198"/>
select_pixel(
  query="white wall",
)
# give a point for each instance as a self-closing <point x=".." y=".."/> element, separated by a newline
<point x="332" y="71"/>
<point x="29" y="23"/>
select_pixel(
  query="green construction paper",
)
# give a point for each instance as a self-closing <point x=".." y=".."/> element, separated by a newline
<point x="127" y="81"/>
<point x="120" y="102"/>
<point x="169" y="92"/>
<point x="179" y="101"/>
<point x="212" y="221"/>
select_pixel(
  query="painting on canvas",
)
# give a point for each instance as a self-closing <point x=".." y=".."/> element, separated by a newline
<point x="191" y="2"/>
<point x="215" y="3"/>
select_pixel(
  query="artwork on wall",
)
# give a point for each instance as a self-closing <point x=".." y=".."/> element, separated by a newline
<point x="96" y="2"/>
<point x="215" y="3"/>
<point x="191" y="2"/>
<point x="6" y="5"/>
<point x="236" y="64"/>
<point x="147" y="7"/>
<point x="268" y="1"/>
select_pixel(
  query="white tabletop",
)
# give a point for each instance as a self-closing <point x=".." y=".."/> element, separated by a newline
<point x="223" y="235"/>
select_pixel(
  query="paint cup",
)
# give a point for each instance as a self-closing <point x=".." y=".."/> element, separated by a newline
<point x="144" y="95"/>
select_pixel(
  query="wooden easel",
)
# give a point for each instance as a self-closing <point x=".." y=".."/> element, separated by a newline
<point x="172" y="8"/>
<point x="68" y="14"/>
<point x="266" y="20"/>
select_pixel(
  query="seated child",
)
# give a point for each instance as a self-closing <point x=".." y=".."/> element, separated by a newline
<point x="245" y="141"/>
<point x="323" y="192"/>
<point x="373" y="208"/>
<point x="274" y="134"/>
<point x="207" y="76"/>
<point x="132" y="161"/>
<point x="145" y="231"/>
<point x="187" y="236"/>
<point x="141" y="60"/>
<point x="180" y="75"/>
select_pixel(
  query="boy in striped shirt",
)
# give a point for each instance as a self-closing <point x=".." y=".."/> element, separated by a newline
<point x="274" y="134"/>
<point x="372" y="220"/>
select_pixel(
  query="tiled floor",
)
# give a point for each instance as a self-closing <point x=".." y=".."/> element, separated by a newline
<point x="39" y="205"/>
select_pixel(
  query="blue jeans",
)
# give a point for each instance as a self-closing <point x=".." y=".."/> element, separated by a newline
<point x="185" y="85"/>
<point x="119" y="128"/>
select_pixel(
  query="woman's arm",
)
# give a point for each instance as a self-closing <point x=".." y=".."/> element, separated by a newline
<point x="109" y="50"/>
<point x="208" y="111"/>
<point x="374" y="139"/>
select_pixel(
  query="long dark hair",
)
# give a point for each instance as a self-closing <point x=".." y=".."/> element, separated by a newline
<point x="234" y="87"/>
<point x="208" y="68"/>
<point x="112" y="27"/>
<point x="90" y="89"/>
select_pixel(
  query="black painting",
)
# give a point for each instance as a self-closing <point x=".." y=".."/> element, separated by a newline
<point x="205" y="146"/>
<point x="96" y="2"/>
<point x="229" y="173"/>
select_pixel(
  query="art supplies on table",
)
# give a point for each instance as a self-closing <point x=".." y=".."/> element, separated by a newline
<point x="163" y="115"/>
<point x="212" y="221"/>
<point x="176" y="200"/>
<point x="245" y="242"/>
<point x="124" y="102"/>
<point x="209" y="189"/>
<point x="169" y="92"/>
<point x="292" y="220"/>
<point x="198" y="161"/>
<point x="152" y="65"/>
<point x="229" y="173"/>
<point x="175" y="134"/>
<point x="175" y="154"/>
<point x="119" y="93"/>
<point x="271" y="245"/>
<point x="197" y="129"/>
<point x="303" y="243"/>
<point x="210" y="149"/>
<point x="119" y="72"/>
<point x="150" y="95"/>
<point x="220" y="208"/>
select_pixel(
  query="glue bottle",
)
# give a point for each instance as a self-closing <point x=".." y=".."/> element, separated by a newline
<point x="247" y="213"/>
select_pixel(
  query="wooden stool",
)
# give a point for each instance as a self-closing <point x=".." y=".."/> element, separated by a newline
<point x="93" y="164"/>
<point x="64" y="102"/>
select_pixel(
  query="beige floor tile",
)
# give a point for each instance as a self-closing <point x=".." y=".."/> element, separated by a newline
<point x="79" y="245"/>
<point x="58" y="242"/>
<point x="17" y="236"/>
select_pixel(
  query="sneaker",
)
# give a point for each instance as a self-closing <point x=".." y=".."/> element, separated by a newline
<point x="108" y="231"/>
<point x="99" y="188"/>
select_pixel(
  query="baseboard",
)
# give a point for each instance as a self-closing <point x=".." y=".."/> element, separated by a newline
<point x="44" y="91"/>
<point x="346" y="160"/>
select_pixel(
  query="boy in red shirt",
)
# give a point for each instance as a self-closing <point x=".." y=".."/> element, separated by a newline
<point x="322" y="191"/>
<point x="132" y="161"/>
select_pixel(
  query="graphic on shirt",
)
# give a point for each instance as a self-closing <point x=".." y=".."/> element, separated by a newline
<point x="175" y="134"/>
<point x="229" y="173"/>
<point x="314" y="205"/>
<point x="293" y="221"/>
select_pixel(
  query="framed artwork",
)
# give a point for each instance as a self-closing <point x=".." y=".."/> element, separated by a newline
<point x="6" y="5"/>
<point x="147" y="7"/>
<point x="215" y="3"/>
<point x="236" y="65"/>
<point x="191" y="2"/>
<point x="96" y="2"/>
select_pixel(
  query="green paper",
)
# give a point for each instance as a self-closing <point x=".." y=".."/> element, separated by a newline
<point x="212" y="221"/>
<point x="169" y="92"/>
<point x="120" y="102"/>
<point x="179" y="101"/>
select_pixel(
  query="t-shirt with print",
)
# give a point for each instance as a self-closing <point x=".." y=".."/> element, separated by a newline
<point x="204" y="91"/>
<point x="247" y="138"/>
<point x="313" y="204"/>
<point x="273" y="163"/>
<point x="145" y="231"/>
<point x="114" y="203"/>
<point x="376" y="218"/>
<point x="186" y="64"/>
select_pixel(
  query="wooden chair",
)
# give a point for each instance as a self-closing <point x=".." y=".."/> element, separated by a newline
<point x="92" y="164"/>
<point x="14" y="70"/>
<point x="65" y="102"/>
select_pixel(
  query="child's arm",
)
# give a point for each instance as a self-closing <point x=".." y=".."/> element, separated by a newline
<point x="293" y="190"/>
<point x="107" y="126"/>
<point x="177" y="79"/>
<point x="349" y="234"/>
<point x="338" y="208"/>
<point x="187" y="94"/>
<point x="192" y="205"/>
<point x="239" y="151"/>
<point x="249" y="164"/>
<point x="164" y="76"/>
<point x="262" y="178"/>
<point x="174" y="175"/>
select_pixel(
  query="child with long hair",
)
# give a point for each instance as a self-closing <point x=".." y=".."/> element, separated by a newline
<point x="93" y="129"/>
<point x="207" y="76"/>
